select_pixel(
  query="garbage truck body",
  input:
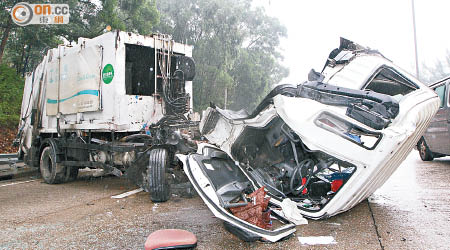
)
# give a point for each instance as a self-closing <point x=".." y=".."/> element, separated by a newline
<point x="108" y="102"/>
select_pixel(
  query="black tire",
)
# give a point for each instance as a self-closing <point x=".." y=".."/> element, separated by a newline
<point x="424" y="151"/>
<point x="71" y="174"/>
<point x="51" y="172"/>
<point x="156" y="173"/>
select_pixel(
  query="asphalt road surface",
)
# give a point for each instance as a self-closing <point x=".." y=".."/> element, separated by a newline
<point x="411" y="211"/>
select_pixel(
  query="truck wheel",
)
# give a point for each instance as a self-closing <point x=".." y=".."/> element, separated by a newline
<point x="424" y="151"/>
<point x="156" y="172"/>
<point x="71" y="174"/>
<point x="51" y="172"/>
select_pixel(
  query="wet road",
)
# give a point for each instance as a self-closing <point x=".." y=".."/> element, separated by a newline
<point x="411" y="211"/>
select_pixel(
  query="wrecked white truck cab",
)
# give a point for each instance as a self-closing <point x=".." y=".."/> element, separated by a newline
<point x="326" y="144"/>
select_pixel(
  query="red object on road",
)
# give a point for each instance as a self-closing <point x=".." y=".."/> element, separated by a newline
<point x="336" y="184"/>
<point x="170" y="239"/>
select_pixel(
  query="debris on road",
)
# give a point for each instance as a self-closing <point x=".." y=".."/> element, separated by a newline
<point x="126" y="194"/>
<point x="292" y="213"/>
<point x="171" y="239"/>
<point x="317" y="240"/>
<point x="155" y="206"/>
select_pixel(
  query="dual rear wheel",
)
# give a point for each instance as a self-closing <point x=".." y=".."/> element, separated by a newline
<point x="157" y="175"/>
<point x="53" y="172"/>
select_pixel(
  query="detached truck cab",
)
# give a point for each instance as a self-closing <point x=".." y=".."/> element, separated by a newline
<point x="120" y="101"/>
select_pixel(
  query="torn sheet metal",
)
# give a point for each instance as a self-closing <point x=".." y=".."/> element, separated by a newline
<point x="329" y="143"/>
<point x="255" y="211"/>
<point x="126" y="194"/>
<point x="210" y="192"/>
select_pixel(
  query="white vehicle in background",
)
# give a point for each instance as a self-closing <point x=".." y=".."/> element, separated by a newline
<point x="115" y="102"/>
<point x="435" y="142"/>
<point x="326" y="144"/>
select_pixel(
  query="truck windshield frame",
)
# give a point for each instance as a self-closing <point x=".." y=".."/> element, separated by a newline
<point x="388" y="81"/>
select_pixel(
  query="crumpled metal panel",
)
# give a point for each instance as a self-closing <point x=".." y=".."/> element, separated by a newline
<point x="255" y="211"/>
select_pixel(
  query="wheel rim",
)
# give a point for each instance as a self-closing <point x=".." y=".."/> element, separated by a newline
<point x="48" y="163"/>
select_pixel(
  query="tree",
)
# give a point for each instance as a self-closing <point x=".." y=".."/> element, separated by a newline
<point x="5" y="19"/>
<point x="25" y="46"/>
<point x="235" y="48"/>
<point x="436" y="71"/>
<point x="254" y="74"/>
<point x="22" y="48"/>
<point x="11" y="89"/>
<point x="133" y="15"/>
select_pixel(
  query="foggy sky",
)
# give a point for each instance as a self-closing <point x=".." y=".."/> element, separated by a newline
<point x="314" y="28"/>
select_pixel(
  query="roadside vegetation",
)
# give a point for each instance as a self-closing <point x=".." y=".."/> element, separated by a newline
<point x="11" y="89"/>
<point x="236" y="46"/>
<point x="436" y="71"/>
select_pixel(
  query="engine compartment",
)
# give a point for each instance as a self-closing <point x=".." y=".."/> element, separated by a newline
<point x="276" y="158"/>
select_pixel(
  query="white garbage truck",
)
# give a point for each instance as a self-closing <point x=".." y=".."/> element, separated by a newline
<point x="121" y="102"/>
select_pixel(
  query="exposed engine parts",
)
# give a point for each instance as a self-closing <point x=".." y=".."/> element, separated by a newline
<point x="287" y="168"/>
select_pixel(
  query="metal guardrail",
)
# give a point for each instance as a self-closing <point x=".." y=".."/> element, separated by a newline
<point x="9" y="169"/>
<point x="8" y="158"/>
<point x="2" y="156"/>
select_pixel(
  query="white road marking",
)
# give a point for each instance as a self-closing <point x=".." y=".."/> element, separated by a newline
<point x="15" y="183"/>
<point x="120" y="196"/>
